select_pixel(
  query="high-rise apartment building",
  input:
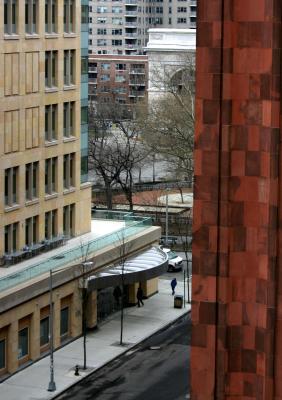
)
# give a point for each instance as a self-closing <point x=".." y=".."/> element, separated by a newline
<point x="43" y="121"/>
<point x="120" y="26"/>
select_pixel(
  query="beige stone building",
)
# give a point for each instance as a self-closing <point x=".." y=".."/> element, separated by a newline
<point x="45" y="202"/>
<point x="40" y="122"/>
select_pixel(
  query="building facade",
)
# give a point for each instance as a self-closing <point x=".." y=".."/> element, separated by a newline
<point x="237" y="286"/>
<point x="117" y="79"/>
<point x="120" y="27"/>
<point x="43" y="123"/>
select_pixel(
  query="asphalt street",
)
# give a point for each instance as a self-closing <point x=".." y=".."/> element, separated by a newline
<point x="158" y="369"/>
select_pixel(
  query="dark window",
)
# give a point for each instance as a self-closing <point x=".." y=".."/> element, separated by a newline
<point x="2" y="354"/>
<point x="64" y="321"/>
<point x="44" y="331"/>
<point x="23" y="343"/>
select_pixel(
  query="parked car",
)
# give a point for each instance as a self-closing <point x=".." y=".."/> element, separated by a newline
<point x="175" y="262"/>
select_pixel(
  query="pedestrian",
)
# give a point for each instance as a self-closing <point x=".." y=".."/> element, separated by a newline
<point x="139" y="296"/>
<point x="117" y="295"/>
<point x="173" y="284"/>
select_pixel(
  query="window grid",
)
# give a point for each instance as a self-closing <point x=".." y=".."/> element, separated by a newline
<point x="31" y="180"/>
<point x="51" y="112"/>
<point x="51" y="175"/>
<point x="31" y="16"/>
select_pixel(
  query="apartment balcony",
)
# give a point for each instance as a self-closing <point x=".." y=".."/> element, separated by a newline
<point x="131" y="2"/>
<point x="108" y="229"/>
<point x="193" y="2"/>
<point x="137" y="71"/>
<point x="136" y="93"/>
<point x="130" y="35"/>
<point x="130" y="13"/>
<point x="92" y="80"/>
<point x="128" y="24"/>
<point x="193" y="13"/>
<point x="92" y="69"/>
<point x="137" y="83"/>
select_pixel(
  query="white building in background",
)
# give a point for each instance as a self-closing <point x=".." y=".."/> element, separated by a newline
<point x="121" y="26"/>
<point x="168" y="50"/>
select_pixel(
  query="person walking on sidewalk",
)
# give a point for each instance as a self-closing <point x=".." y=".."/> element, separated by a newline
<point x="140" y="296"/>
<point x="173" y="284"/>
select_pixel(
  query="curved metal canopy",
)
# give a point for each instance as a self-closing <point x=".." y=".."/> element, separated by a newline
<point x="147" y="265"/>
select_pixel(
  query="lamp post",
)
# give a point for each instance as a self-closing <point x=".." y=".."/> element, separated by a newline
<point x="52" y="384"/>
<point x="188" y="279"/>
<point x="85" y="265"/>
<point x="166" y="218"/>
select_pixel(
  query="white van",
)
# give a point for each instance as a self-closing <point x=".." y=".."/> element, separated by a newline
<point x="175" y="262"/>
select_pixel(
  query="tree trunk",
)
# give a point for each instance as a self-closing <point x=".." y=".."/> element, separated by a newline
<point x="109" y="195"/>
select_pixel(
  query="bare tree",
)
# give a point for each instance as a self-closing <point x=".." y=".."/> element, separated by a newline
<point x="169" y="125"/>
<point x="115" y="149"/>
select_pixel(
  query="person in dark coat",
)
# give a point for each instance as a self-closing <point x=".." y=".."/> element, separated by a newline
<point x="140" y="296"/>
<point x="117" y="295"/>
<point x="173" y="284"/>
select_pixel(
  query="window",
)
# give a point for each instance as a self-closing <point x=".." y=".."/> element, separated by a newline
<point x="11" y="186"/>
<point x="68" y="220"/>
<point x="31" y="180"/>
<point x="51" y="63"/>
<point x="104" y="77"/>
<point x="116" y="10"/>
<point x="64" y="331"/>
<point x="84" y="115"/>
<point x="51" y="175"/>
<point x="11" y="237"/>
<point x="84" y="14"/>
<point x="31" y="16"/>
<point x="2" y="354"/>
<point x="181" y="20"/>
<point x="116" y="31"/>
<point x="120" y="67"/>
<point x="69" y="170"/>
<point x="181" y="9"/>
<point x="117" y="21"/>
<point x="69" y="16"/>
<point x="101" y="20"/>
<point x="159" y="10"/>
<point x="84" y="65"/>
<point x="105" y="66"/>
<point x="10" y="17"/>
<point x="23" y="348"/>
<point x="120" y="78"/>
<point x="31" y="230"/>
<point x="51" y="16"/>
<point x="51" y="112"/>
<point x="116" y="42"/>
<point x="69" y="57"/>
<point x="101" y="42"/>
<point x="101" y="31"/>
<point x="102" y="10"/>
<point x="69" y="119"/>
<point x="44" y="331"/>
<point x="51" y="224"/>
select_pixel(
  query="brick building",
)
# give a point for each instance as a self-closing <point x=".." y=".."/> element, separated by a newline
<point x="237" y="275"/>
<point x="118" y="78"/>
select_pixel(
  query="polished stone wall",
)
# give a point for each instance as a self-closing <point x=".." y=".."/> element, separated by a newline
<point x="237" y="280"/>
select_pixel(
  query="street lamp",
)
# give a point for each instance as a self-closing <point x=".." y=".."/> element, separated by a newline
<point x="85" y="265"/>
<point x="166" y="218"/>
<point x="52" y="384"/>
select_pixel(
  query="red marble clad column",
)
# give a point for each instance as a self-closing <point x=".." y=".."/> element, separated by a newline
<point x="237" y="280"/>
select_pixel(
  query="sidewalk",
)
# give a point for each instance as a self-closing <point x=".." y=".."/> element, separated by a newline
<point x="102" y="346"/>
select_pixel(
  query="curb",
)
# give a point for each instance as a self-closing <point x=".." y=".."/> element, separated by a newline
<point x="120" y="354"/>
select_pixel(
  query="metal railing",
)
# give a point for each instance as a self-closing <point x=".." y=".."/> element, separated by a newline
<point x="133" y="225"/>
